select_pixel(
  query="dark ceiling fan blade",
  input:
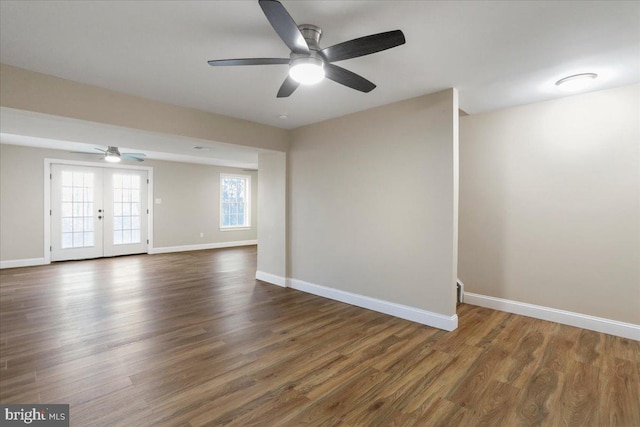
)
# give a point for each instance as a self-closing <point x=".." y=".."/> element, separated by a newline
<point x="284" y="25"/>
<point x="347" y="78"/>
<point x="85" y="152"/>
<point x="364" y="46"/>
<point x="100" y="149"/>
<point x="247" y="61"/>
<point x="288" y="87"/>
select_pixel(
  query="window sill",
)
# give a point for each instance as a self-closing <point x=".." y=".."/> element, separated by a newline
<point x="235" y="228"/>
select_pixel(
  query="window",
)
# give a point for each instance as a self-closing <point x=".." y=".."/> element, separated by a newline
<point x="235" y="203"/>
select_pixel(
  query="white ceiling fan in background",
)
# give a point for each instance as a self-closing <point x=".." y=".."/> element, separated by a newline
<point x="113" y="155"/>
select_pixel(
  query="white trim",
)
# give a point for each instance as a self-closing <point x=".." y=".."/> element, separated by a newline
<point x="23" y="262"/>
<point x="271" y="278"/>
<point x="598" y="324"/>
<point x="47" y="210"/>
<point x="168" y="249"/>
<point x="234" y="228"/>
<point x="461" y="290"/>
<point x="150" y="208"/>
<point x="436" y="320"/>
<point x="96" y="164"/>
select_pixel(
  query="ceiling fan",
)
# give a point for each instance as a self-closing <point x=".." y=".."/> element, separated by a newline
<point x="308" y="62"/>
<point x="113" y="155"/>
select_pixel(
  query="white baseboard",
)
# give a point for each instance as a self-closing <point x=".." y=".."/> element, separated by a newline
<point x="598" y="324"/>
<point x="168" y="249"/>
<point x="461" y="290"/>
<point x="448" y="323"/>
<point x="271" y="278"/>
<point x="23" y="262"/>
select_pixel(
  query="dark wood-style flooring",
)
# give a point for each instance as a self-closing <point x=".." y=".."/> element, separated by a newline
<point x="192" y="339"/>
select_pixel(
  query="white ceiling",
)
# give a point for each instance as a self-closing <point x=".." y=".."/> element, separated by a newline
<point x="497" y="53"/>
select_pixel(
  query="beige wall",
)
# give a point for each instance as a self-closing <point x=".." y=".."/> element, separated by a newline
<point x="27" y="90"/>
<point x="21" y="203"/>
<point x="191" y="204"/>
<point x="272" y="205"/>
<point x="189" y="193"/>
<point x="372" y="203"/>
<point x="550" y="204"/>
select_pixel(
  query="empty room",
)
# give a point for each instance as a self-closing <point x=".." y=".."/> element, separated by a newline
<point x="322" y="213"/>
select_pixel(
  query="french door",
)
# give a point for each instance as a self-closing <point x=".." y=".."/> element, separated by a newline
<point x="97" y="212"/>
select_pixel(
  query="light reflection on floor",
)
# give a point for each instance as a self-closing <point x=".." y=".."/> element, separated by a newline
<point x="87" y="293"/>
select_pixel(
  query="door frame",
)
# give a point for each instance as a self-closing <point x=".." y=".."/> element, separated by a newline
<point x="47" y="197"/>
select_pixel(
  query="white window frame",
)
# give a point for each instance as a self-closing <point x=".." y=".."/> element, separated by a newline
<point x="247" y="224"/>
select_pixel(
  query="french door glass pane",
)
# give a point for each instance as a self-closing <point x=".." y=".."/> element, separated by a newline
<point x="67" y="240"/>
<point x="77" y="210"/>
<point x="88" y="238"/>
<point x="126" y="209"/>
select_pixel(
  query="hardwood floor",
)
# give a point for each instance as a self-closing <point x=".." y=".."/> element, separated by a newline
<point x="192" y="339"/>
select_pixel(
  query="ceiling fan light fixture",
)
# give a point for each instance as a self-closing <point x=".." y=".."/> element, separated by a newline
<point x="307" y="70"/>
<point x="576" y="82"/>
<point x="112" y="155"/>
<point x="111" y="158"/>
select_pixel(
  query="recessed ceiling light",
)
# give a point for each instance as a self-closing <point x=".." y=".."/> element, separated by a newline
<point x="284" y="116"/>
<point x="576" y="82"/>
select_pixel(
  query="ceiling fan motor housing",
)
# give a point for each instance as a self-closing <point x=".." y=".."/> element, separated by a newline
<point x="113" y="151"/>
<point x="308" y="68"/>
<point x="311" y="35"/>
<point x="314" y="58"/>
